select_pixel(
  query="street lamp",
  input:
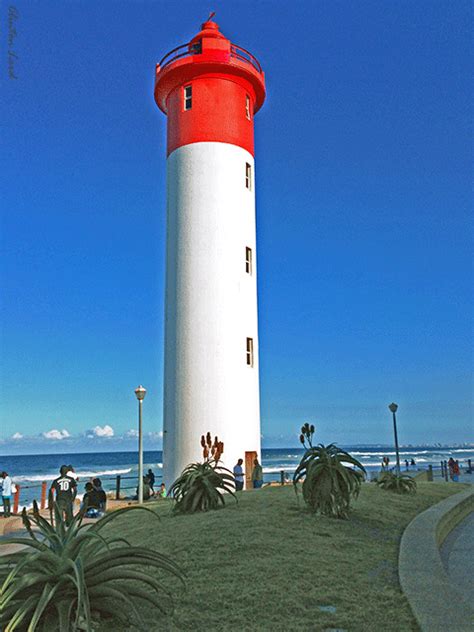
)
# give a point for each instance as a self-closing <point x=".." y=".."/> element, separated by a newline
<point x="393" y="409"/>
<point x="140" y="392"/>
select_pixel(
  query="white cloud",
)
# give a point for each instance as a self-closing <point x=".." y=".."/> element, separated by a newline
<point x="56" y="435"/>
<point x="155" y="435"/>
<point x="100" y="431"/>
<point x="17" y="436"/>
<point x="131" y="434"/>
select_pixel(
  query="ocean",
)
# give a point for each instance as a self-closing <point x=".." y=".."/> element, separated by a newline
<point x="31" y="470"/>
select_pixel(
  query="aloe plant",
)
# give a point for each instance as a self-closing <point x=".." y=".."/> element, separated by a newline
<point x="202" y="486"/>
<point x="67" y="577"/>
<point x="398" y="483"/>
<point x="329" y="483"/>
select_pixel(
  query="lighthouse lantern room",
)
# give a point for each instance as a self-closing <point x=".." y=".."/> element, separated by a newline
<point x="210" y="90"/>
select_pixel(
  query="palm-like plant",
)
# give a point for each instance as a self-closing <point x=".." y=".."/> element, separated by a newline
<point x="65" y="577"/>
<point x="202" y="486"/>
<point x="329" y="483"/>
<point x="398" y="483"/>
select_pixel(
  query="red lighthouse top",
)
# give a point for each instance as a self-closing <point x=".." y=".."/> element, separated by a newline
<point x="210" y="89"/>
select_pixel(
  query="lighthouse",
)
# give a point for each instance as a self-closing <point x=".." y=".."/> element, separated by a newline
<point x="210" y="90"/>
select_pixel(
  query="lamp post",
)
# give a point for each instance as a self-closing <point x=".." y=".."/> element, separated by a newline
<point x="140" y="392"/>
<point x="393" y="409"/>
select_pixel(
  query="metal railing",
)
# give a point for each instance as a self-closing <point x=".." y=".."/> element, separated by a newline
<point x="283" y="477"/>
<point x="186" y="50"/>
<point x="240" y="53"/>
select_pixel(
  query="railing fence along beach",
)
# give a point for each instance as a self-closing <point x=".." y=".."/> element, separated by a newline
<point x="43" y="488"/>
<point x="432" y="472"/>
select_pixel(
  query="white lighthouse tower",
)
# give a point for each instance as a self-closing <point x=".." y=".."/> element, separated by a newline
<point x="210" y="90"/>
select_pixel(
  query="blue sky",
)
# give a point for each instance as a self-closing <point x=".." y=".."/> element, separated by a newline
<point x="363" y="214"/>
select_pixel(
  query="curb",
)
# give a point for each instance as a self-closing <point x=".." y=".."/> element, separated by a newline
<point x="435" y="604"/>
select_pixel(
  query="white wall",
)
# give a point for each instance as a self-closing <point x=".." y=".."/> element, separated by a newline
<point x="211" y="306"/>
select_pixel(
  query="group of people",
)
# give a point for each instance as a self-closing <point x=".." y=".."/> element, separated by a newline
<point x="386" y="463"/>
<point x="454" y="470"/>
<point x="64" y="490"/>
<point x="256" y="476"/>
<point x="149" y="487"/>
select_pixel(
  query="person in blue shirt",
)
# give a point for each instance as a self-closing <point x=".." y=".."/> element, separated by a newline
<point x="239" y="475"/>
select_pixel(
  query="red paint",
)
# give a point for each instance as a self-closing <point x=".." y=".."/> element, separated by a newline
<point x="16" y="498"/>
<point x="221" y="76"/>
<point x="44" y="491"/>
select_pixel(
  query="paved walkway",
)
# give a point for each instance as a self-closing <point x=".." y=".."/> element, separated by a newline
<point x="457" y="554"/>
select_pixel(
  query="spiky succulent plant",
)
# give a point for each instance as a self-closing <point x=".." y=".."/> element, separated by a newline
<point x="329" y="481"/>
<point x="68" y="577"/>
<point x="201" y="487"/>
<point x="398" y="483"/>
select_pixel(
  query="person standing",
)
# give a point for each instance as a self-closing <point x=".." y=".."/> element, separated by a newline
<point x="456" y="471"/>
<point x="6" y="494"/>
<point x="239" y="476"/>
<point x="151" y="478"/>
<point x="257" y="475"/>
<point x="72" y="473"/>
<point x="66" y="489"/>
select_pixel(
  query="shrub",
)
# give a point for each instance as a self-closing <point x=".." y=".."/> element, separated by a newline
<point x="66" y="577"/>
<point x="398" y="483"/>
<point x="202" y="486"/>
<point x="329" y="483"/>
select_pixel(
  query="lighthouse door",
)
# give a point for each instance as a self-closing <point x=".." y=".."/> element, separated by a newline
<point x="249" y="459"/>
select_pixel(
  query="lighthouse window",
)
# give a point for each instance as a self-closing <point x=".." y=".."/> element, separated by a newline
<point x="250" y="351"/>
<point x="248" y="176"/>
<point x="248" y="260"/>
<point x="247" y="106"/>
<point x="188" y="97"/>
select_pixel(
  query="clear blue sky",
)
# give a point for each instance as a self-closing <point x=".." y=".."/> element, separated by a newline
<point x="363" y="211"/>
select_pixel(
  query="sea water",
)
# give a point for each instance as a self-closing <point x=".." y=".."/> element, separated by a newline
<point x="31" y="470"/>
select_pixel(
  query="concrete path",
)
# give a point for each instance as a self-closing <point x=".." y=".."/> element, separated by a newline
<point x="457" y="554"/>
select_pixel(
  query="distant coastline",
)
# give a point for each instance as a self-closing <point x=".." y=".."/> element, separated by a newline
<point x="352" y="446"/>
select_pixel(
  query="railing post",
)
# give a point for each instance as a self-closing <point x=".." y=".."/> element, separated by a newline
<point x="446" y="471"/>
<point x="442" y="469"/>
<point x="469" y="466"/>
<point x="430" y="473"/>
<point x="44" y="486"/>
<point x="16" y="499"/>
<point x="117" y="487"/>
<point x="282" y="477"/>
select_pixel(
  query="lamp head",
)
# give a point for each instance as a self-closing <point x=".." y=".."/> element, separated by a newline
<point x="393" y="407"/>
<point x="140" y="392"/>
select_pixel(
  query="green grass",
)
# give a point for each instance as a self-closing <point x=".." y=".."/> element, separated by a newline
<point x="266" y="563"/>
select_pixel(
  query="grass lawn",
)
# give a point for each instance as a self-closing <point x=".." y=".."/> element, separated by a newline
<point x="267" y="563"/>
